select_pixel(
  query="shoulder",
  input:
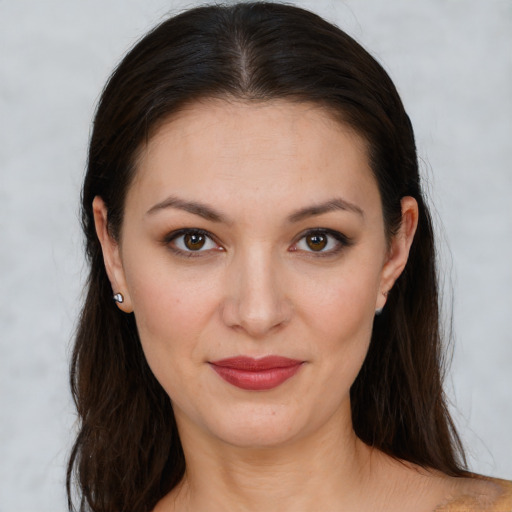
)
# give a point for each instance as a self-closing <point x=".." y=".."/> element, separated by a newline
<point x="480" y="494"/>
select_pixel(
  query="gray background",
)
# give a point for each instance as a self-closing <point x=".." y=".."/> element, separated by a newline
<point x="452" y="63"/>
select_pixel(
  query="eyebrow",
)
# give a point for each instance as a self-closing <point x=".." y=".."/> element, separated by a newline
<point x="194" y="207"/>
<point x="209" y="213"/>
<point x="328" y="206"/>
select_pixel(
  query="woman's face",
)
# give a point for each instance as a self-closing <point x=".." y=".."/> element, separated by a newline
<point x="250" y="231"/>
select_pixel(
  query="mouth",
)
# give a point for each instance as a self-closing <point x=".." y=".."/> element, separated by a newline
<point x="256" y="374"/>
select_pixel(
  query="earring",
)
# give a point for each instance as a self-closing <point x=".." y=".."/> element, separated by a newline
<point x="379" y="311"/>
<point x="118" y="297"/>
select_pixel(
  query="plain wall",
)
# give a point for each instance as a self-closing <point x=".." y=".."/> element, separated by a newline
<point x="452" y="63"/>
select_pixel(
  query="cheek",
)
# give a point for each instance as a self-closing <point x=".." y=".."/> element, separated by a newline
<point x="349" y="333"/>
<point x="344" y="300"/>
<point x="339" y="312"/>
<point x="171" y="309"/>
<point x="346" y="319"/>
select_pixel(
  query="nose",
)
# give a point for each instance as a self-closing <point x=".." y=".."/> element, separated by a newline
<point x="256" y="300"/>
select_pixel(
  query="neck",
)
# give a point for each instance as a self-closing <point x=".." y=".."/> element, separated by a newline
<point x="326" y="467"/>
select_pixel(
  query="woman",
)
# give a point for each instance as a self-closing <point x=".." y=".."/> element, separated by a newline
<point x="253" y="206"/>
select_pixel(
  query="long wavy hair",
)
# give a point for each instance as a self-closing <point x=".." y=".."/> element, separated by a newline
<point x="127" y="453"/>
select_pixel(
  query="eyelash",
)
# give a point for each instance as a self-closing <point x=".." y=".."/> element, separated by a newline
<point x="342" y="242"/>
<point x="171" y="238"/>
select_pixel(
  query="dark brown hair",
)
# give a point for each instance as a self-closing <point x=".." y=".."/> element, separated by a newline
<point x="127" y="454"/>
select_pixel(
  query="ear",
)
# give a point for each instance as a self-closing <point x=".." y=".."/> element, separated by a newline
<point x="111" y="254"/>
<point x="400" y="246"/>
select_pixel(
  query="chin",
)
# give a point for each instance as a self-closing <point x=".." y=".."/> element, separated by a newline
<point x="248" y="425"/>
<point x="256" y="426"/>
<point x="259" y="434"/>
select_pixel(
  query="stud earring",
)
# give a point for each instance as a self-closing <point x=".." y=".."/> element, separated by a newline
<point x="379" y="311"/>
<point x="118" y="297"/>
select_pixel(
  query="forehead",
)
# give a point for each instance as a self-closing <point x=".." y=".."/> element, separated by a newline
<point x="263" y="152"/>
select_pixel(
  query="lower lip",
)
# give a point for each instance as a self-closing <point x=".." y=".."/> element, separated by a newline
<point x="256" y="380"/>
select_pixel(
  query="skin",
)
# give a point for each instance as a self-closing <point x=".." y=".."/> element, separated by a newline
<point x="256" y="288"/>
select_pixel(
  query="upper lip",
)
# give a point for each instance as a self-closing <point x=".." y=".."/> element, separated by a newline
<point x="251" y="364"/>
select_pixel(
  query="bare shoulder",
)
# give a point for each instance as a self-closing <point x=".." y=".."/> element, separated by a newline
<point x="410" y="487"/>
<point x="479" y="494"/>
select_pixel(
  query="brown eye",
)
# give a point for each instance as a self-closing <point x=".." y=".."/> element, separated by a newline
<point x="317" y="241"/>
<point x="322" y="242"/>
<point x="194" y="241"/>
<point x="188" y="241"/>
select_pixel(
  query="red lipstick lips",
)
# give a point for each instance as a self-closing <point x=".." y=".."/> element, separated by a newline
<point x="256" y="374"/>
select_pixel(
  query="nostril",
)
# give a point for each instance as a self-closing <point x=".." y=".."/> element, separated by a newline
<point x="256" y="320"/>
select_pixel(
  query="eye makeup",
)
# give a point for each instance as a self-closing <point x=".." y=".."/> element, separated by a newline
<point x="315" y="242"/>
<point x="191" y="242"/>
<point x="321" y="242"/>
